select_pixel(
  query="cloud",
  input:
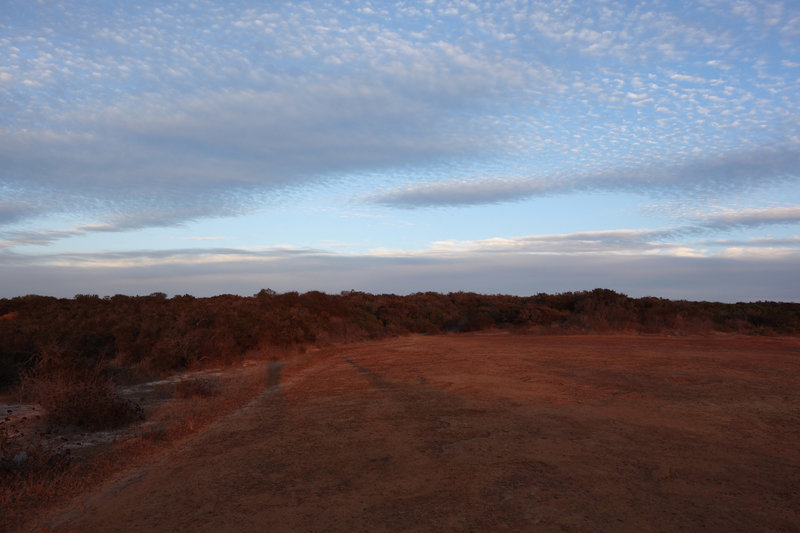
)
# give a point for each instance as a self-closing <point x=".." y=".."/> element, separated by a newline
<point x="149" y="110"/>
<point x="217" y="153"/>
<point x="225" y="139"/>
<point x="581" y="243"/>
<point x="669" y="241"/>
<point x="750" y="218"/>
<point x="758" y="242"/>
<point x="161" y="116"/>
<point x="687" y="78"/>
<point x="663" y="241"/>
<point x="129" y="118"/>
<point x="12" y="211"/>
<point x="606" y="243"/>
<point x="269" y="113"/>
<point x="150" y="258"/>
<point x="733" y="171"/>
<point x="23" y="238"/>
<point x="751" y="253"/>
<point x="138" y="218"/>
<point x="726" y="279"/>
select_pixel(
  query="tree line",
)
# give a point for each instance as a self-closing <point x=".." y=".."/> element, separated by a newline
<point x="155" y="333"/>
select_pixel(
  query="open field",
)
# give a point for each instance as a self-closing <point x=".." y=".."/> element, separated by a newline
<point x="488" y="432"/>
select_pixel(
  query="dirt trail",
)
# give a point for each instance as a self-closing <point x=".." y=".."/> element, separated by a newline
<point x="489" y="433"/>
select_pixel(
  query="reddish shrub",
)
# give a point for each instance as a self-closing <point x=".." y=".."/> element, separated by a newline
<point x="81" y="398"/>
<point x="203" y="388"/>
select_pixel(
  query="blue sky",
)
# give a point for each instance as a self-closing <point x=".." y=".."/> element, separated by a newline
<point x="517" y="147"/>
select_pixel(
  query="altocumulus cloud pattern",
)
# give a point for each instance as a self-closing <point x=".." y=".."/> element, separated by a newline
<point x="208" y="147"/>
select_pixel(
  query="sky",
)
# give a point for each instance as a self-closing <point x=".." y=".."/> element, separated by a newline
<point x="514" y="147"/>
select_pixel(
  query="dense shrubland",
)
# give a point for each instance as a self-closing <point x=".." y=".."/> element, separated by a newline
<point x="123" y="336"/>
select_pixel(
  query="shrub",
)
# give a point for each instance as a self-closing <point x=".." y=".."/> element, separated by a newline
<point x="82" y="398"/>
<point x="203" y="388"/>
<point x="5" y="446"/>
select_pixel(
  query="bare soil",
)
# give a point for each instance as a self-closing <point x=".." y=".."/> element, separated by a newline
<point x="488" y="432"/>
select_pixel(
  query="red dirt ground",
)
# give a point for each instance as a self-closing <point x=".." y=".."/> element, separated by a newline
<point x="489" y="433"/>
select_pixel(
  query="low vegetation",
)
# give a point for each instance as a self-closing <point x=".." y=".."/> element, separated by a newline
<point x="124" y="335"/>
<point x="81" y="398"/>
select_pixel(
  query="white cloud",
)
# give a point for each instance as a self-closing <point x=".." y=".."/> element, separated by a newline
<point x="756" y="253"/>
<point x="712" y="278"/>
<point x="701" y="175"/>
<point x="687" y="78"/>
<point x="754" y="217"/>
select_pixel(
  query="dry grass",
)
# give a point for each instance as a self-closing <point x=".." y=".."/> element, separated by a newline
<point x="30" y="475"/>
<point x="48" y="477"/>
<point x="199" y="388"/>
<point x="34" y="470"/>
<point x="82" y="398"/>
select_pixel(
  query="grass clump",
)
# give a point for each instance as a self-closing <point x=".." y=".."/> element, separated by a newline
<point x="30" y="475"/>
<point x="80" y="397"/>
<point x="202" y="388"/>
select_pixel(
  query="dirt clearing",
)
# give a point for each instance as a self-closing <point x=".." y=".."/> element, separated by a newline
<point x="489" y="433"/>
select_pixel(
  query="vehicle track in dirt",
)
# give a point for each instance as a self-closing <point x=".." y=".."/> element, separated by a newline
<point x="488" y="433"/>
